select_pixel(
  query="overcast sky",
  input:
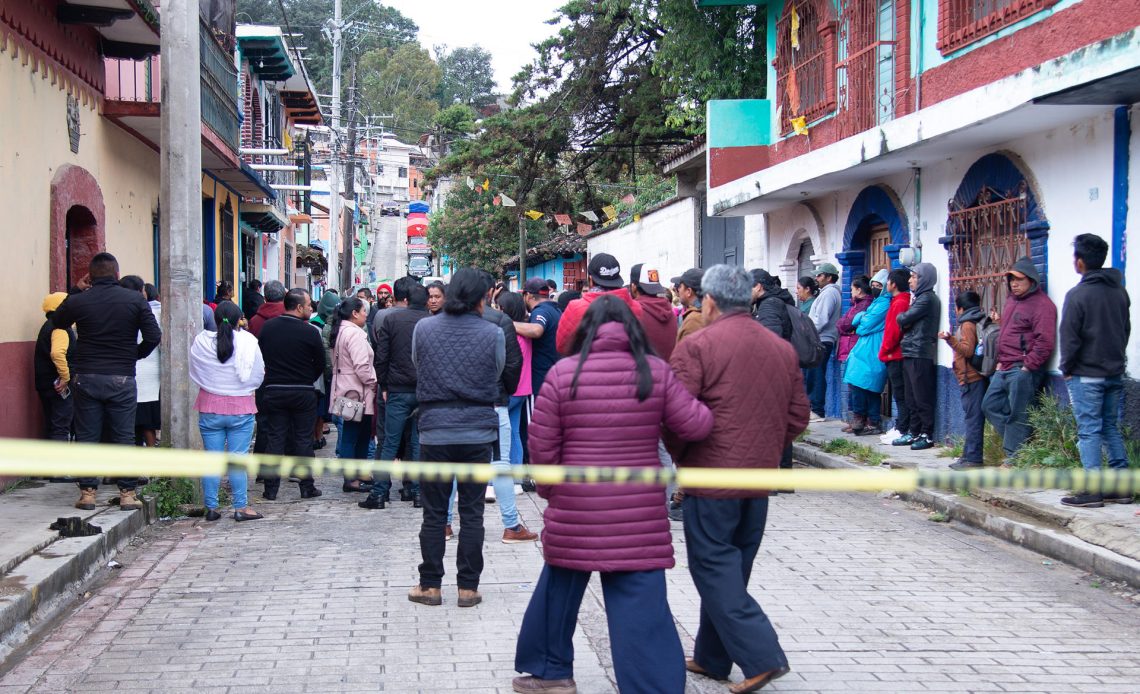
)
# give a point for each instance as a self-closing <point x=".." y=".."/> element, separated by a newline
<point x="506" y="29"/>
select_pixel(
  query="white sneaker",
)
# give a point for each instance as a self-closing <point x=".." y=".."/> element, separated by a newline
<point x="489" y="495"/>
<point x="890" y="436"/>
<point x="816" y="419"/>
<point x="518" y="489"/>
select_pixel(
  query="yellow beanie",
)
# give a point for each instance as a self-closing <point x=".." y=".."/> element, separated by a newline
<point x="53" y="300"/>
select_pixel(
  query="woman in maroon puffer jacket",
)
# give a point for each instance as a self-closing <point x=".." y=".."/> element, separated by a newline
<point x="606" y="407"/>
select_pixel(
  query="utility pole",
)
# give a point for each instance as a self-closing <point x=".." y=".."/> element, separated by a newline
<point x="349" y="226"/>
<point x="522" y="250"/>
<point x="334" y="172"/>
<point x="180" y="202"/>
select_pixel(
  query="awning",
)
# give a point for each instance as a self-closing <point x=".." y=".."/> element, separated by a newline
<point x="264" y="218"/>
<point x="244" y="180"/>
<point x="419" y="207"/>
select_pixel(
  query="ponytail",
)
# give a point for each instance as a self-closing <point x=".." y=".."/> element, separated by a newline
<point x="227" y="315"/>
<point x="343" y="312"/>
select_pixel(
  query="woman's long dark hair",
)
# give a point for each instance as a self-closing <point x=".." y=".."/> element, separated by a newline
<point x="808" y="282"/>
<point x="513" y="305"/>
<point x="610" y="309"/>
<point x="343" y="312"/>
<point x="227" y="315"/>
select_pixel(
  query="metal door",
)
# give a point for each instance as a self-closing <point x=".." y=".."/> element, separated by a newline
<point x="722" y="239"/>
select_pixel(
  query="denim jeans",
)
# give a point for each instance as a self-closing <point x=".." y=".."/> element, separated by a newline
<point x="231" y="433"/>
<point x="353" y="443"/>
<point x="59" y="412"/>
<point x="866" y="403"/>
<point x="514" y="409"/>
<point x="972" y="396"/>
<point x="104" y="401"/>
<point x="1007" y="404"/>
<point x="397" y="416"/>
<point x="815" y="381"/>
<point x="1096" y="405"/>
<point x="505" y="486"/>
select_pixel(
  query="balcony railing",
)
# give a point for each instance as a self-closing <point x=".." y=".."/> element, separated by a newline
<point x="133" y="80"/>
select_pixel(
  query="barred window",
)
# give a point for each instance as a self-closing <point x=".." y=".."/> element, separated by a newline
<point x="866" y="64"/>
<point x="805" y="61"/>
<point x="961" y="22"/>
<point x="986" y="238"/>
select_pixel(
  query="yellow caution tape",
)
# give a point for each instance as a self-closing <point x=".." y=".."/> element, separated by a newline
<point x="27" y="458"/>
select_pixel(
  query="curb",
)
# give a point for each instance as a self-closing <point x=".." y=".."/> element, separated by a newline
<point x="42" y="585"/>
<point x="1051" y="542"/>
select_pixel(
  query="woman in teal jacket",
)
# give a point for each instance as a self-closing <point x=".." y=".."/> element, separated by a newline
<point x="865" y="374"/>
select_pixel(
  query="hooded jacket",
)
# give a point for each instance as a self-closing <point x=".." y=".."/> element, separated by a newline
<point x="609" y="527"/>
<point x="846" y="327"/>
<point x="660" y="324"/>
<point x="572" y="316"/>
<point x="53" y="347"/>
<point x="265" y="312"/>
<point x="919" y="323"/>
<point x="891" y="349"/>
<point x="824" y="312"/>
<point x="771" y="311"/>
<point x="1095" y="326"/>
<point x="864" y="368"/>
<point x="1028" y="324"/>
<point x="964" y="343"/>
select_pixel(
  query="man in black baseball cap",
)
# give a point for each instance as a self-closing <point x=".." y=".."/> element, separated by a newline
<point x="604" y="277"/>
<point x="688" y="288"/>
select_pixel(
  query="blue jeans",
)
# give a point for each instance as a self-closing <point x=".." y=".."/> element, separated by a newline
<point x="514" y="410"/>
<point x="505" y="486"/>
<point x="397" y="415"/>
<point x="353" y="443"/>
<point x="1096" y="405"/>
<point x="1007" y="404"/>
<point x="815" y="381"/>
<point x="866" y="403"/>
<point x="972" y="396"/>
<point x="231" y="433"/>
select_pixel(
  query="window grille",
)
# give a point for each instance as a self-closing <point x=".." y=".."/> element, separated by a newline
<point x="805" y="62"/>
<point x="961" y="22"/>
<point x="866" y="64"/>
<point x="987" y="238"/>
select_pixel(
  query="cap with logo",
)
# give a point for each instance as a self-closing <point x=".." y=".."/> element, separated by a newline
<point x="691" y="278"/>
<point x="537" y="285"/>
<point x="605" y="271"/>
<point x="647" y="279"/>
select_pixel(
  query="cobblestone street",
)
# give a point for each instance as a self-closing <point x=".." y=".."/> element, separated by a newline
<point x="867" y="595"/>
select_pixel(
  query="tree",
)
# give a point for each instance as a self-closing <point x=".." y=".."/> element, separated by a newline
<point x="400" y="82"/>
<point x="457" y="119"/>
<point x="468" y="77"/>
<point x="371" y="27"/>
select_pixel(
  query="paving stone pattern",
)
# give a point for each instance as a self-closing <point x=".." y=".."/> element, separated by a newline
<point x="867" y="595"/>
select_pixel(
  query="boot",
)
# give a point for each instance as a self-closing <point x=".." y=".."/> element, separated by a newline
<point x="272" y="486"/>
<point x="128" y="501"/>
<point x="87" y="499"/>
<point x="308" y="489"/>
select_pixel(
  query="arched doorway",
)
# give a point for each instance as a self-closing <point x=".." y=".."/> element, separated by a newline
<point x="875" y="231"/>
<point x="77" y="225"/>
<point x="993" y="219"/>
<point x="804" y="264"/>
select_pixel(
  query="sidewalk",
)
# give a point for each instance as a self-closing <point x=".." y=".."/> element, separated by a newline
<point x="1105" y="541"/>
<point x="40" y="571"/>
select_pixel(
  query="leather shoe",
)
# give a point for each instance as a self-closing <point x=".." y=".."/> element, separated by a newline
<point x="425" y="596"/>
<point x="753" y="684"/>
<point x="310" y="492"/>
<point x="239" y="516"/>
<point x="469" y="598"/>
<point x="693" y="667"/>
<point x="356" y="486"/>
<point x="371" y="503"/>
<point x="528" y="684"/>
<point x="212" y="514"/>
<point x="417" y="502"/>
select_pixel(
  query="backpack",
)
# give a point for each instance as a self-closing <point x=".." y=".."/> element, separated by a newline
<point x="984" y="360"/>
<point x="805" y="339"/>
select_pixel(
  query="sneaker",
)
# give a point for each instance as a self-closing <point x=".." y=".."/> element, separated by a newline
<point x="528" y="485"/>
<point x="1116" y="498"/>
<point x="965" y="465"/>
<point x="904" y="440"/>
<point x="816" y="418"/>
<point x="128" y="501"/>
<point x="425" y="596"/>
<point x="518" y="535"/>
<point x="489" y="496"/>
<point x="469" y="598"/>
<point x="526" y="685"/>
<point x="921" y="443"/>
<point x="87" y="500"/>
<point x="447" y="534"/>
<point x="676" y="514"/>
<point x="1083" y="500"/>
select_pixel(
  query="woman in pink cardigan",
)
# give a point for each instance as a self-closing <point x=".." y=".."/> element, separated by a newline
<point x="606" y="407"/>
<point x="354" y="377"/>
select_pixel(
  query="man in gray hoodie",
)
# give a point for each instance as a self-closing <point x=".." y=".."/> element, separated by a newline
<point x="825" y="312"/>
<point x="919" y="325"/>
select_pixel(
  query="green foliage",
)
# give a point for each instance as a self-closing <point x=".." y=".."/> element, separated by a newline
<point x="457" y="118"/>
<point x="992" y="452"/>
<point x="938" y="517"/>
<point x="1054" y="439"/>
<point x="169" y="493"/>
<point x="953" y="449"/>
<point x="468" y="77"/>
<point x="401" y="82"/>
<point x="861" y="452"/>
<point x="473" y="232"/>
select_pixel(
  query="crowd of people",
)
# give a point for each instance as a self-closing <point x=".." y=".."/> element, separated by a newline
<point x="633" y="374"/>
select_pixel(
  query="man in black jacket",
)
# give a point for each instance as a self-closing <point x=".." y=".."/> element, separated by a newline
<point x="397" y="376"/>
<point x="294" y="359"/>
<point x="919" y="324"/>
<point x="109" y="320"/>
<point x="1095" y="326"/>
<point x="769" y="300"/>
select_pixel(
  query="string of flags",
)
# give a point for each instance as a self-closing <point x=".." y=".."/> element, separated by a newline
<point x="604" y="215"/>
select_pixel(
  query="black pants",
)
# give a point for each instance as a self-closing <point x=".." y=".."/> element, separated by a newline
<point x="58" y="415"/>
<point x="972" y="396"/>
<point x="469" y="553"/>
<point x="105" y="402"/>
<point x="921" y="394"/>
<point x="287" y="417"/>
<point x="898" y="391"/>
<point x="722" y="537"/>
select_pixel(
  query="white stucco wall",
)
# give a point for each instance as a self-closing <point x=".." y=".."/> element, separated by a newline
<point x="665" y="239"/>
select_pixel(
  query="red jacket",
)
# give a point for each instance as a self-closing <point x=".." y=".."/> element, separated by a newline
<point x="892" y="333"/>
<point x="608" y="527"/>
<point x="660" y="324"/>
<point x="750" y="378"/>
<point x="572" y="316"/>
<point x="270" y="309"/>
